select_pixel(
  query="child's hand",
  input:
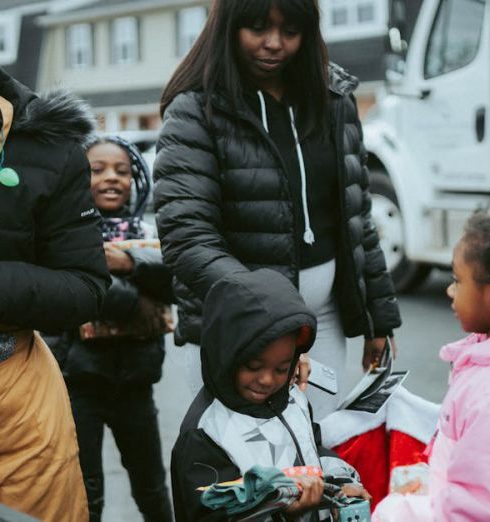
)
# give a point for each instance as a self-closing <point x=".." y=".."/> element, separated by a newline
<point x="355" y="490"/>
<point x="302" y="372"/>
<point x="409" y="488"/>
<point x="311" y="494"/>
<point x="117" y="260"/>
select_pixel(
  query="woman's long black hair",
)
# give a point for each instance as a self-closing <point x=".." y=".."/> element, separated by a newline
<point x="212" y="64"/>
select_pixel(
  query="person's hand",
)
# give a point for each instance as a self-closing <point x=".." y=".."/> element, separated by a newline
<point x="7" y="114"/>
<point x="352" y="490"/>
<point x="148" y="316"/>
<point x="311" y="494"/>
<point x="356" y="490"/>
<point x="373" y="349"/>
<point x="412" y="487"/>
<point x="117" y="260"/>
<point x="302" y="372"/>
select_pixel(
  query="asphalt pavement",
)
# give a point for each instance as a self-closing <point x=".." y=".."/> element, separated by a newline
<point x="428" y="323"/>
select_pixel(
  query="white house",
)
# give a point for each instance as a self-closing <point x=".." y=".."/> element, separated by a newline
<point x="118" y="54"/>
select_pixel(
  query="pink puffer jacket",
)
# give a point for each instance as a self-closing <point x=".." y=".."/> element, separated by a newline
<point x="460" y="455"/>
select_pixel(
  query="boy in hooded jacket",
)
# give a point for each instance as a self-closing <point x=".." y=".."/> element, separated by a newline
<point x="111" y="365"/>
<point x="256" y="325"/>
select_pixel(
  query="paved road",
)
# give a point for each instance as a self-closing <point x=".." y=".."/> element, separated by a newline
<point x="428" y="324"/>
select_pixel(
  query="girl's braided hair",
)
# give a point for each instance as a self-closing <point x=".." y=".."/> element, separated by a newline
<point x="476" y="242"/>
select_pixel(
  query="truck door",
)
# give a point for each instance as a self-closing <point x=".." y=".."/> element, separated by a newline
<point x="448" y="124"/>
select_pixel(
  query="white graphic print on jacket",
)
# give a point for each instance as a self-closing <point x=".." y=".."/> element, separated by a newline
<point x="249" y="441"/>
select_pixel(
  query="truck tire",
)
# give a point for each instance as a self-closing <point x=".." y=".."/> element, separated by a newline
<point x="388" y="219"/>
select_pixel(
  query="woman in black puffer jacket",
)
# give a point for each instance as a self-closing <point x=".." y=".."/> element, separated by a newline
<point x="236" y="189"/>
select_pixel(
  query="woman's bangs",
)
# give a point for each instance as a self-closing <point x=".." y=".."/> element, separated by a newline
<point x="300" y="13"/>
<point x="249" y="12"/>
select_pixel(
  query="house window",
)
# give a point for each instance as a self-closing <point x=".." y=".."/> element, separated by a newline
<point x="190" y="22"/>
<point x="3" y="39"/>
<point x="9" y="37"/>
<point x="79" y="45"/>
<point x="353" y="19"/>
<point x="125" y="40"/>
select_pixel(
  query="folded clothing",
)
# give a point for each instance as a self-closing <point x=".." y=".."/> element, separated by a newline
<point x="259" y="485"/>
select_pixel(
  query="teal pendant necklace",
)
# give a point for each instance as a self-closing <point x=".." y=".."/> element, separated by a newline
<point x="8" y="176"/>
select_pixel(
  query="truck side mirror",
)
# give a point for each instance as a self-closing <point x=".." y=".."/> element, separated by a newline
<point x="397" y="44"/>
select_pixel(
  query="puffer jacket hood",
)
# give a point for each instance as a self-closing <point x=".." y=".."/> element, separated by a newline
<point x="243" y="313"/>
<point x="53" y="117"/>
<point x="473" y="350"/>
<point x="340" y="81"/>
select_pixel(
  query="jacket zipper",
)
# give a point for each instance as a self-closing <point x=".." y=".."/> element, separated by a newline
<point x="290" y="431"/>
<point x="299" y="453"/>
<point x="296" y="235"/>
<point x="339" y="138"/>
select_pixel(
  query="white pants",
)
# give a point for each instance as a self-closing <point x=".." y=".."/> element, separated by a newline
<point x="315" y="286"/>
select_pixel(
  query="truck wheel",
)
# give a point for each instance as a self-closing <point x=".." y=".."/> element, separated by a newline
<point x="388" y="219"/>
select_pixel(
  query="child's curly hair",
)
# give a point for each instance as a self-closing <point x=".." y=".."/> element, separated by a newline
<point x="476" y="242"/>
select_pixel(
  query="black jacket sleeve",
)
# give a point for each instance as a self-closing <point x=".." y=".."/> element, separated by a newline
<point x="381" y="301"/>
<point x="188" y="198"/>
<point x="121" y="301"/>
<point x="150" y="274"/>
<point x="149" y="277"/>
<point x="66" y="284"/>
<point x="197" y="461"/>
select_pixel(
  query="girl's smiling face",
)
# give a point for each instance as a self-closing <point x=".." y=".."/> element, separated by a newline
<point x="111" y="176"/>
<point x="266" y="48"/>
<point x="268" y="372"/>
<point x="470" y="298"/>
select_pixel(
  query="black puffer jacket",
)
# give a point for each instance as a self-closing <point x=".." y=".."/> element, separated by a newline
<point x="223" y="205"/>
<point x="53" y="273"/>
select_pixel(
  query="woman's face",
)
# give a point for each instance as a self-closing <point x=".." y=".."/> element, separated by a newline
<point x="111" y="176"/>
<point x="267" y="47"/>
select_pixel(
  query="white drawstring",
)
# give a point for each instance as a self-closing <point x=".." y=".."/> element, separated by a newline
<point x="308" y="236"/>
<point x="263" y="111"/>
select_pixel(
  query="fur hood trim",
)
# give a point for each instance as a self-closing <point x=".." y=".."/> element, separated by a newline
<point x="55" y="116"/>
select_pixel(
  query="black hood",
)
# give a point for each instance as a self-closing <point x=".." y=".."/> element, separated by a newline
<point x="53" y="117"/>
<point x="243" y="313"/>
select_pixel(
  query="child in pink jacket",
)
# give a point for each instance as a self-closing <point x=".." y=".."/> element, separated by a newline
<point x="459" y="465"/>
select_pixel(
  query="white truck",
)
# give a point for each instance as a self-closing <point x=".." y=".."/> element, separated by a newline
<point x="428" y="138"/>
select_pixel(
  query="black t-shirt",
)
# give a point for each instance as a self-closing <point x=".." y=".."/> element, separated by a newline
<point x="320" y="159"/>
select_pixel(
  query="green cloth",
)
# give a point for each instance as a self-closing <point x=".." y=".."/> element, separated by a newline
<point x="259" y="484"/>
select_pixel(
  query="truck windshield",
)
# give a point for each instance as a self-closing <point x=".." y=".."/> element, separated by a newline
<point x="455" y="36"/>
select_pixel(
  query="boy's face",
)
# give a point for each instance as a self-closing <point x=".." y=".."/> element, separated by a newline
<point x="111" y="176"/>
<point x="268" y="372"/>
<point x="470" y="299"/>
